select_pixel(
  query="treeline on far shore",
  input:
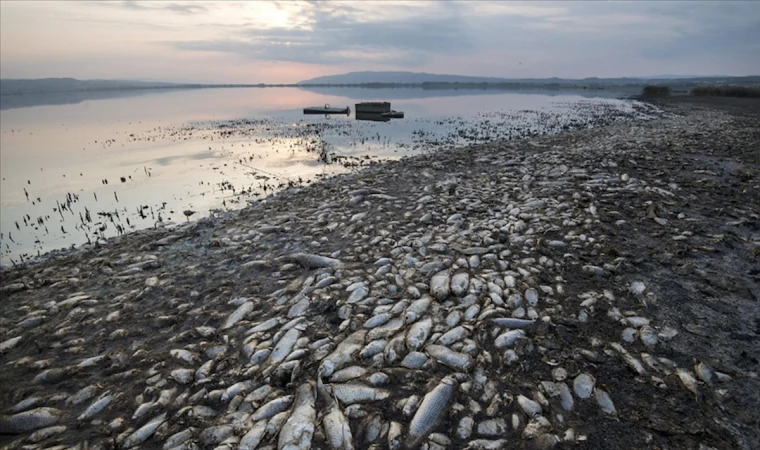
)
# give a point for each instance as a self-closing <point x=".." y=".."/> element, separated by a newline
<point x="705" y="91"/>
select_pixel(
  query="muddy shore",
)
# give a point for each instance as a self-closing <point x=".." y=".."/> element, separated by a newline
<point x="624" y="231"/>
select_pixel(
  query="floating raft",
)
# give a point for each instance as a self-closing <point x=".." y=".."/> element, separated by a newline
<point x="373" y="107"/>
<point x="376" y="111"/>
<point x="326" y="110"/>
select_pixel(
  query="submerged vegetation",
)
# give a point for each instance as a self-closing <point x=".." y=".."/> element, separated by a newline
<point x="726" y="91"/>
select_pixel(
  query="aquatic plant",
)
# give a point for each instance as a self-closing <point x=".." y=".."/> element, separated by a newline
<point x="655" y="91"/>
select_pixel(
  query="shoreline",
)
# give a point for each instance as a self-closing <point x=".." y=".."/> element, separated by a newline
<point x="594" y="115"/>
<point x="639" y="236"/>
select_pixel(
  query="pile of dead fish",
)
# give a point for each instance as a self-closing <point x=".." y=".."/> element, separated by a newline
<point x="440" y="312"/>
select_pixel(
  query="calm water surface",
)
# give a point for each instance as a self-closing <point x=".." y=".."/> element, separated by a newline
<point x="74" y="173"/>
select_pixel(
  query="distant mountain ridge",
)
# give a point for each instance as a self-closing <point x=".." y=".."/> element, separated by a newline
<point x="24" y="87"/>
<point x="398" y="77"/>
<point x="367" y="77"/>
<point x="10" y="86"/>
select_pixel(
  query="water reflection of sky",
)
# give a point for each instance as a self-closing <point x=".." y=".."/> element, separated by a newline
<point x="188" y="150"/>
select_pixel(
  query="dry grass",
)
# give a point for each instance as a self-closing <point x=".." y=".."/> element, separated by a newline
<point x="726" y="91"/>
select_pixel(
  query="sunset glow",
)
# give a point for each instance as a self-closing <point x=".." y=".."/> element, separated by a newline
<point x="285" y="42"/>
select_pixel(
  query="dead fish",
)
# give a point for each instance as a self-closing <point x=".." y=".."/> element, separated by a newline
<point x="486" y="444"/>
<point x="629" y="359"/>
<point x="453" y="318"/>
<point x="275" y="424"/>
<point x="385" y="330"/>
<point x="350" y="393"/>
<point x="311" y="261"/>
<point x="705" y="373"/>
<point x="492" y="427"/>
<point x="471" y="312"/>
<point x="240" y="313"/>
<point x="204" y="331"/>
<point x="648" y="336"/>
<point x="687" y="379"/>
<point x="349" y="373"/>
<point x="434" y="406"/>
<point x="377" y="320"/>
<point x="604" y="401"/>
<point x="260" y="356"/>
<point x="275" y="406"/>
<point x="259" y="394"/>
<point x="394" y="436"/>
<point x="254" y="436"/>
<point x="464" y="429"/>
<point x="184" y="355"/>
<point x="565" y="397"/>
<point x="182" y="376"/>
<point x="583" y="385"/>
<point x="144" y="432"/>
<point x="31" y="322"/>
<point x="529" y="407"/>
<point x="299" y="308"/>
<point x="204" y="371"/>
<point x="395" y="349"/>
<point x="410" y="405"/>
<point x="418" y="334"/>
<point x="45" y="433"/>
<point x="459" y="284"/>
<point x="178" y="438"/>
<point x="91" y="362"/>
<point x="144" y="409"/>
<point x="27" y="421"/>
<point x="27" y="403"/>
<point x="235" y="389"/>
<point x="417" y="309"/>
<point x="343" y="354"/>
<point x="531" y="296"/>
<point x="53" y="375"/>
<point x="215" y="435"/>
<point x="284" y="346"/>
<point x="629" y="335"/>
<point x="97" y="406"/>
<point x="458" y="361"/>
<point x="373" y="348"/>
<point x="336" y="427"/>
<point x="637" y="287"/>
<point x="8" y="344"/>
<point x="440" y="285"/>
<point x="298" y="430"/>
<point x="508" y="338"/>
<point x="265" y="326"/>
<point x="455" y="334"/>
<point x="358" y="294"/>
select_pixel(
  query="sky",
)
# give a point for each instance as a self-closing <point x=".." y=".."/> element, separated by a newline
<point x="290" y="41"/>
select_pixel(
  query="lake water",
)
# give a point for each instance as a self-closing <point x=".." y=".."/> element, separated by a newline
<point x="86" y="166"/>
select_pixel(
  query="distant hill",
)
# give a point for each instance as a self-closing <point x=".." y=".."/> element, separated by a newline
<point x="398" y="77"/>
<point x="10" y="86"/>
<point x="421" y="78"/>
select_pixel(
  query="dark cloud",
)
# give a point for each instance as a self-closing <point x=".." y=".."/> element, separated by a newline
<point x="337" y="35"/>
<point x="180" y="8"/>
<point x="185" y="8"/>
<point x="660" y="33"/>
<point x="478" y="38"/>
